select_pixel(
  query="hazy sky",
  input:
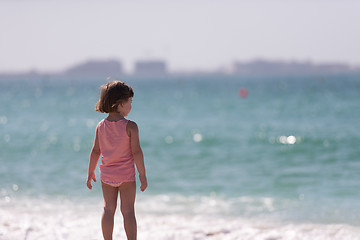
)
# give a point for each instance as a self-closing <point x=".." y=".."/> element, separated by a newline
<point x="190" y="34"/>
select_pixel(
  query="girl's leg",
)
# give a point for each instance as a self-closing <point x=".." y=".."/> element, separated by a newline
<point x="127" y="196"/>
<point x="110" y="201"/>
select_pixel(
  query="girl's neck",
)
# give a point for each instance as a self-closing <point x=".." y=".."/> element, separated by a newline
<point x="114" y="116"/>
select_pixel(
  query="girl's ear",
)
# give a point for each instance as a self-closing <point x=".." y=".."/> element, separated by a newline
<point x="119" y="104"/>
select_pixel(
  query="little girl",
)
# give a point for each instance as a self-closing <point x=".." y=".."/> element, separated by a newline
<point x="117" y="140"/>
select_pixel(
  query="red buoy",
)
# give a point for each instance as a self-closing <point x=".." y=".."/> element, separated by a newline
<point x="243" y="92"/>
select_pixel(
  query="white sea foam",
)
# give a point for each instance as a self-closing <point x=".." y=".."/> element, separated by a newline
<point x="30" y="219"/>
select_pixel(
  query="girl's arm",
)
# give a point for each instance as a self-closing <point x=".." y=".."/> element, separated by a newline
<point x="94" y="158"/>
<point x="137" y="153"/>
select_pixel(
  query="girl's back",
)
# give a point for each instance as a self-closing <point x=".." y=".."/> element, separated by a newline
<point x="117" y="159"/>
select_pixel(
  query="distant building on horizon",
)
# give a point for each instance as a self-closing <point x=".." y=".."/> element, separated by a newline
<point x="96" y="68"/>
<point x="287" y="68"/>
<point x="151" y="68"/>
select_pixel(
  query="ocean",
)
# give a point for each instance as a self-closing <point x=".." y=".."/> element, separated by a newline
<point x="279" y="162"/>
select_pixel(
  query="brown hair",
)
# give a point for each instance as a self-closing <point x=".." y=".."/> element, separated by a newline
<point x="111" y="95"/>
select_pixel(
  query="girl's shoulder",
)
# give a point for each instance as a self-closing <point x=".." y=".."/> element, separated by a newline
<point x="100" y="124"/>
<point x="131" y="124"/>
<point x="131" y="127"/>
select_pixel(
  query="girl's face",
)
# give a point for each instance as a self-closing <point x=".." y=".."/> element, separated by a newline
<point x="125" y="107"/>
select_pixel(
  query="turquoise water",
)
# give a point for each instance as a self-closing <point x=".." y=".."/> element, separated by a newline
<point x="287" y="153"/>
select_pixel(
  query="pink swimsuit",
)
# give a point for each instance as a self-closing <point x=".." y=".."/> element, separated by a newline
<point x="117" y="160"/>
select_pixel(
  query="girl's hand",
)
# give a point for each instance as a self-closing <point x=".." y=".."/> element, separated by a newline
<point x="88" y="181"/>
<point x="143" y="182"/>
